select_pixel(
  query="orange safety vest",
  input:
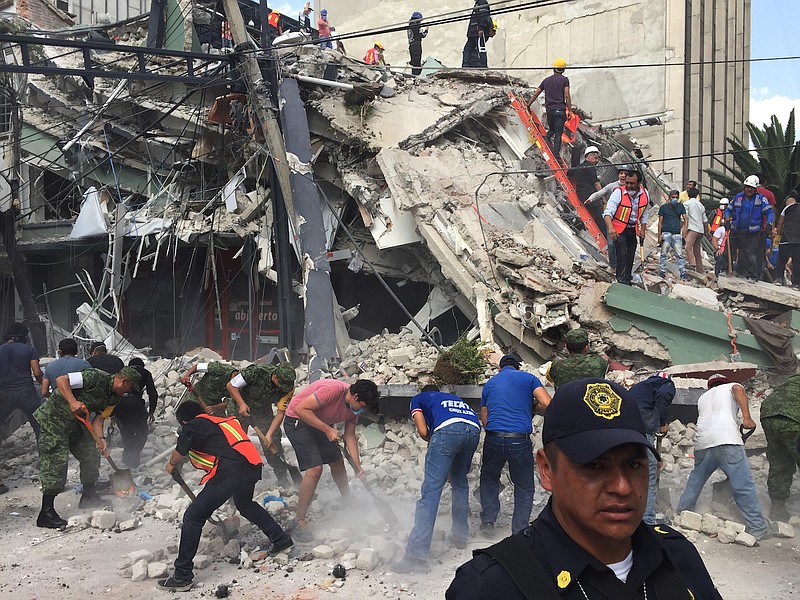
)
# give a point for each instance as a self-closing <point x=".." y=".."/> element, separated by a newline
<point x="623" y="212"/>
<point x="274" y="19"/>
<point x="717" y="220"/>
<point x="235" y="436"/>
<point x="370" y="57"/>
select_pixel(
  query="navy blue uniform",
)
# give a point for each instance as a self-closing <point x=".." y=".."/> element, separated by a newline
<point x="664" y="562"/>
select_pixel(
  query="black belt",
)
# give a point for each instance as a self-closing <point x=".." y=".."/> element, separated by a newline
<point x="507" y="434"/>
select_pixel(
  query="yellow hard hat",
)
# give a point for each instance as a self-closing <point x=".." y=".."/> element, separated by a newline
<point x="559" y="63"/>
<point x="379" y="45"/>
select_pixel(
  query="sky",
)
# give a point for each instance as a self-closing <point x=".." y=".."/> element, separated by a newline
<point x="774" y="86"/>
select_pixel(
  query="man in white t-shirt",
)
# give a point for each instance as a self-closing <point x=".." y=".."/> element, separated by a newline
<point x="719" y="239"/>
<point x="718" y="444"/>
<point x="697" y="228"/>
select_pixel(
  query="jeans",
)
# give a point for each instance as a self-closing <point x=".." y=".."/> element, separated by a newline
<point x="518" y="453"/>
<point x="652" y="487"/>
<point x="450" y="452"/>
<point x="131" y="416"/>
<point x="786" y="251"/>
<point x="214" y="495"/>
<point x="555" y="124"/>
<point x="733" y="462"/>
<point x="25" y="398"/>
<point x="672" y="240"/>
<point x="749" y="250"/>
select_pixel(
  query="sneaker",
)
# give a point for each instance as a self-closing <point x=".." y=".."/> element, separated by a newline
<point x="170" y="584"/>
<point x="281" y="545"/>
<point x="487" y="528"/>
<point x="300" y="531"/>
<point x="685" y="276"/>
<point x="778" y="281"/>
<point x="409" y="565"/>
<point x="460" y="544"/>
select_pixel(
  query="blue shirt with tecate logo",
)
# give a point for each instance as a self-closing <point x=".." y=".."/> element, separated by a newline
<point x="508" y="398"/>
<point x="441" y="409"/>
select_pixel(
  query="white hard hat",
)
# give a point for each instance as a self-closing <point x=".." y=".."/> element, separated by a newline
<point x="723" y="201"/>
<point x="752" y="181"/>
<point x="591" y="149"/>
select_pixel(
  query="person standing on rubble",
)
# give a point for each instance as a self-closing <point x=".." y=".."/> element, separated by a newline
<point x="304" y="18"/>
<point x="452" y="431"/>
<point x="589" y="542"/>
<point x="77" y="395"/>
<point x="18" y="360"/>
<point x="415" y="35"/>
<point x="220" y="447"/>
<point x="695" y="230"/>
<point x="274" y="28"/>
<point x="479" y="28"/>
<point x="252" y="393"/>
<point x="780" y="418"/>
<point x="586" y="182"/>
<point x="601" y="198"/>
<point x="654" y="396"/>
<point x="557" y="104"/>
<point x="749" y="218"/>
<point x="324" y="30"/>
<point x="508" y="401"/>
<point x="374" y="56"/>
<point x="671" y="229"/>
<point x="309" y="425"/>
<point x="132" y="417"/>
<point x="101" y="359"/>
<point x="719" y="241"/>
<point x="212" y="388"/>
<point x="67" y="362"/>
<point x="626" y="220"/>
<point x="788" y="231"/>
<point x="579" y="364"/>
<point x="718" y="444"/>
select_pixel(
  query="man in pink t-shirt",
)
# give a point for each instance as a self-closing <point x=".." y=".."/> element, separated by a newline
<point x="308" y="424"/>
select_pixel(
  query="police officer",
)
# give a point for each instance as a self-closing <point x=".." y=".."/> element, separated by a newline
<point x="78" y="394"/>
<point x="252" y="394"/>
<point x="780" y="418"/>
<point x="219" y="446"/>
<point x="579" y="364"/>
<point x="589" y="542"/>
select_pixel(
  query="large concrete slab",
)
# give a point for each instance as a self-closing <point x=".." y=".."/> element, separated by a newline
<point x="761" y="290"/>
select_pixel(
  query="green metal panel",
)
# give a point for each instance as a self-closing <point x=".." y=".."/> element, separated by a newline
<point x="690" y="333"/>
<point x="174" y="32"/>
<point x="46" y="147"/>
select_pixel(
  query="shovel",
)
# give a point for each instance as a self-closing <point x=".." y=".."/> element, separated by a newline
<point x="382" y="505"/>
<point x="190" y="387"/>
<point x="176" y="475"/>
<point x="121" y="479"/>
<point x="297" y="476"/>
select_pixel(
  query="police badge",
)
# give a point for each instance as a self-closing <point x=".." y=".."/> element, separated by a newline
<point x="603" y="400"/>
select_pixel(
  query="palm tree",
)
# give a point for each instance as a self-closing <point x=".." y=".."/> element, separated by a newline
<point x="775" y="153"/>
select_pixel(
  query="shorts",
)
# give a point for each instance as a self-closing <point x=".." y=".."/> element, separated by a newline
<point x="310" y="445"/>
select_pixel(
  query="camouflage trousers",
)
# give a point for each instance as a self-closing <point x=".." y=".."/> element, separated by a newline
<point x="56" y="442"/>
<point x="782" y="454"/>
<point x="263" y="419"/>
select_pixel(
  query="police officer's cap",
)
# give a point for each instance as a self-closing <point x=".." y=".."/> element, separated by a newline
<point x="510" y="360"/>
<point x="577" y="336"/>
<point x="133" y="376"/>
<point x="590" y="416"/>
<point x="286" y="375"/>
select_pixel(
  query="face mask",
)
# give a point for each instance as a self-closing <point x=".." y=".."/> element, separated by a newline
<point x="356" y="412"/>
<point x="673" y="200"/>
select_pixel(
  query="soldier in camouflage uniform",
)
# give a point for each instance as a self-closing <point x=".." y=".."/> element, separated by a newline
<point x="780" y="418"/>
<point x="579" y="364"/>
<point x="253" y="392"/>
<point x="212" y="387"/>
<point x="83" y="393"/>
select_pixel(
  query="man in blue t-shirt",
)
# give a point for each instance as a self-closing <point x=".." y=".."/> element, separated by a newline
<point x="18" y="360"/>
<point x="507" y="405"/>
<point x="672" y="227"/>
<point x="452" y="431"/>
<point x="557" y="104"/>
<point x="68" y="362"/>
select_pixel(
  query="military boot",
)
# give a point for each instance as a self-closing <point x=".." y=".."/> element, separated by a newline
<point x="90" y="499"/>
<point x="48" y="517"/>
<point x="777" y="510"/>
